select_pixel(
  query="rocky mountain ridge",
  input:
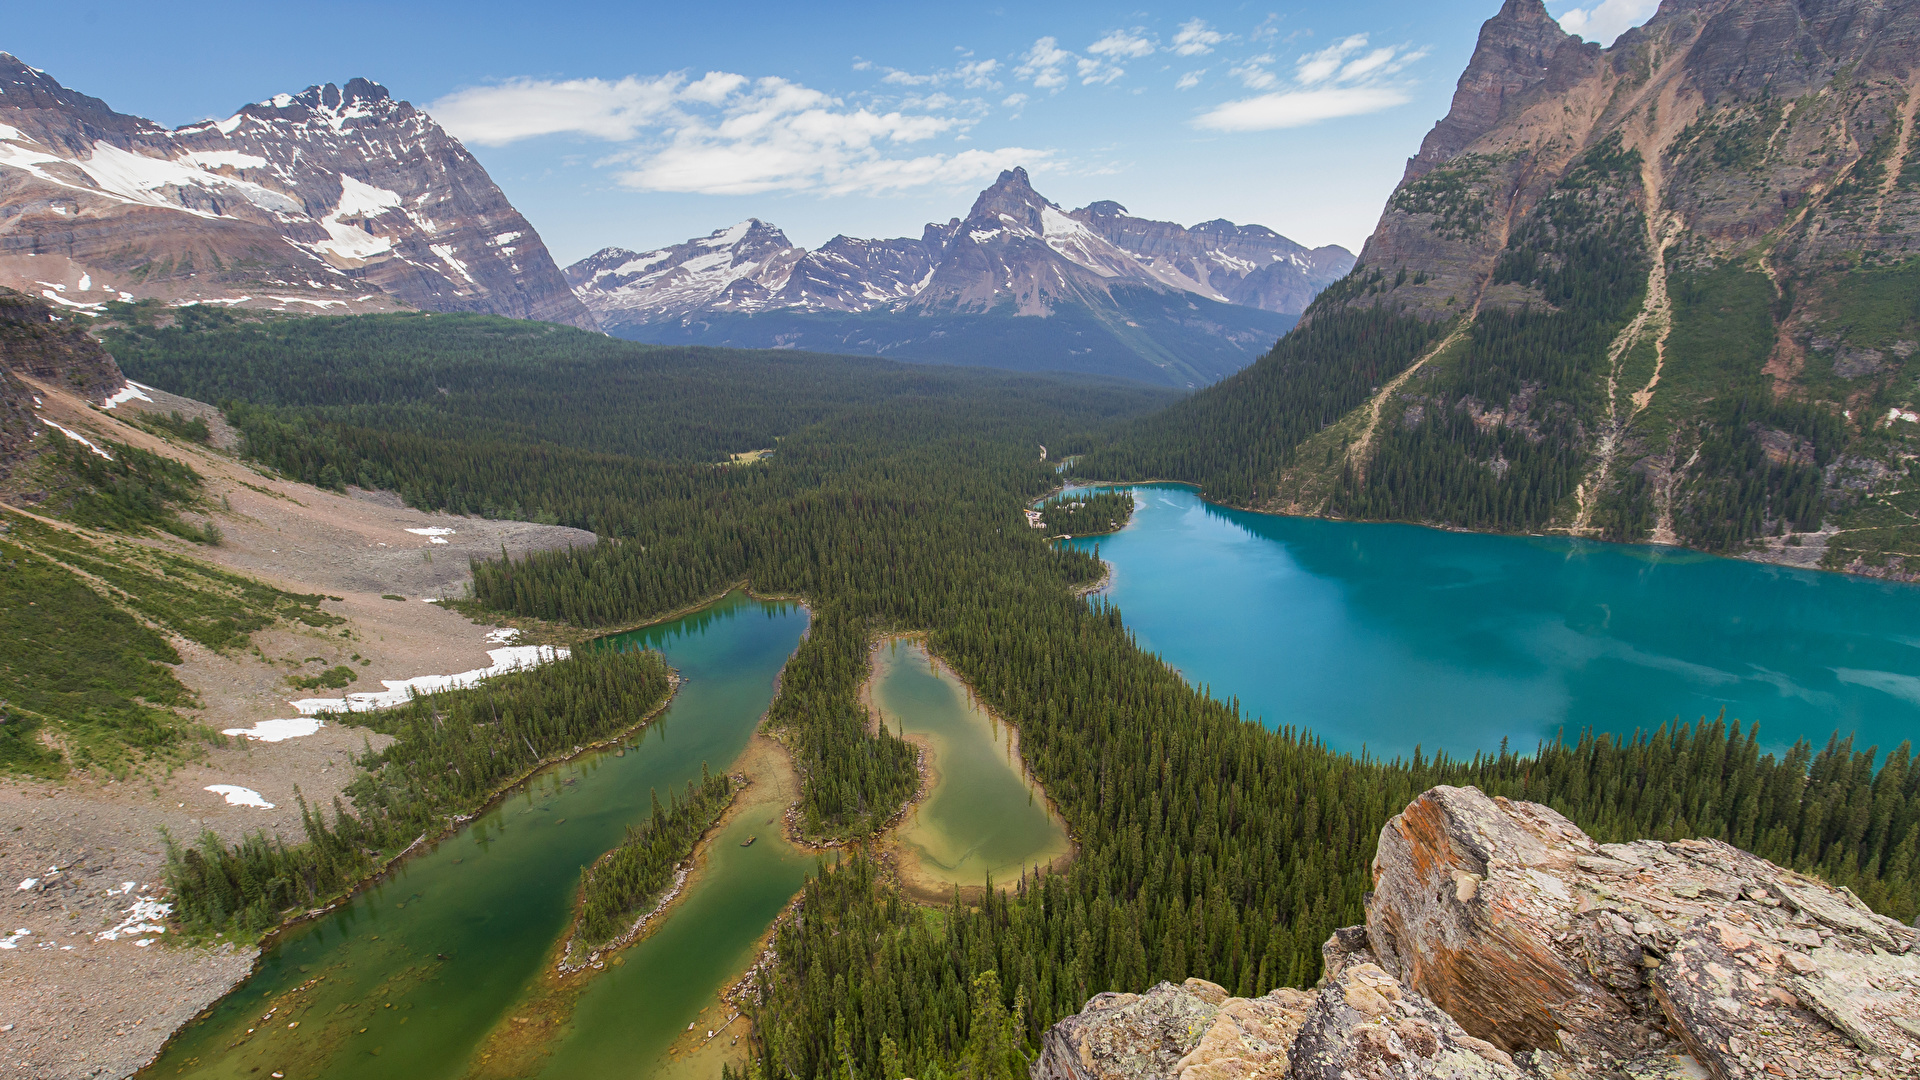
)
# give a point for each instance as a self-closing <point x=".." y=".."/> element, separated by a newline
<point x="1015" y="254"/>
<point x="1652" y="292"/>
<point x="1502" y="942"/>
<point x="336" y="199"/>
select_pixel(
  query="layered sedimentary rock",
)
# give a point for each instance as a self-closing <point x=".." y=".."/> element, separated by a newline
<point x="336" y="199"/>
<point x="40" y="344"/>
<point x="1503" y="942"/>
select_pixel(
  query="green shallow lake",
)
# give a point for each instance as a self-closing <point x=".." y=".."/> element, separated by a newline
<point x="984" y="816"/>
<point x="456" y="935"/>
<point x="1392" y="636"/>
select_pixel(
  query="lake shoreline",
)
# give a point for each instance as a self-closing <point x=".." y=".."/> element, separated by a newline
<point x="915" y="883"/>
<point x="1387" y="637"/>
<point x="393" y="863"/>
<point x="517" y="1042"/>
<point x="430" y="841"/>
<point x="1776" y="553"/>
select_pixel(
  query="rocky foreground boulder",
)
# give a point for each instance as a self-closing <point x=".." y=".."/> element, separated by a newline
<point x="1503" y="943"/>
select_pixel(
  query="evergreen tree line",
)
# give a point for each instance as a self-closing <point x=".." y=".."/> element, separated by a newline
<point x="1182" y="883"/>
<point x="451" y="752"/>
<point x="1740" y="487"/>
<point x="1540" y="367"/>
<point x="625" y="881"/>
<point x="1236" y="437"/>
<point x="1086" y="513"/>
<point x="486" y="379"/>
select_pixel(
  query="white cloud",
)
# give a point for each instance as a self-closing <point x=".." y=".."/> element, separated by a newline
<point x="1123" y="44"/>
<point x="1094" y="72"/>
<point x="1320" y="66"/>
<point x="1196" y="38"/>
<point x="1297" y="108"/>
<point x="523" y="108"/>
<point x="1042" y="63"/>
<point x="1046" y="64"/>
<point x="1347" y="78"/>
<point x="1350" y="61"/>
<point x="727" y="134"/>
<point x="1014" y="101"/>
<point x="975" y="75"/>
<point x="1253" y="73"/>
<point x="1607" y="19"/>
<point x="1190" y="80"/>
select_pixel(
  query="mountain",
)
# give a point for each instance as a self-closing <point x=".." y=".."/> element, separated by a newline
<point x="1661" y="291"/>
<point x="334" y="199"/>
<point x="1109" y="293"/>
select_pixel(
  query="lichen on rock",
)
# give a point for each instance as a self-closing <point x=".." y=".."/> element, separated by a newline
<point x="1502" y="941"/>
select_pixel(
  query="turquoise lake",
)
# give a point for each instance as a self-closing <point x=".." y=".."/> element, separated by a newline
<point x="1391" y="636"/>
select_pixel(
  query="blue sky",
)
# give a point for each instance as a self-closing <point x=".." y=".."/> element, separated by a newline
<point x="643" y="124"/>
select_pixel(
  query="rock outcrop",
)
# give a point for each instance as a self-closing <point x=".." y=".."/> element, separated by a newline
<point x="42" y="345"/>
<point x="336" y="199"/>
<point x="37" y="341"/>
<point x="1503" y="942"/>
<point x="1194" y="1031"/>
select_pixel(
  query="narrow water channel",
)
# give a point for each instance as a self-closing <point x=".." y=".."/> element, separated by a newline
<point x="407" y="979"/>
<point x="984" y="816"/>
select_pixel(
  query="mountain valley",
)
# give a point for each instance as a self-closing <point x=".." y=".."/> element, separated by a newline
<point x="1063" y="645"/>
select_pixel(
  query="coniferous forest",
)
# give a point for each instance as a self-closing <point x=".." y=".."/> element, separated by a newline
<point x="1208" y="845"/>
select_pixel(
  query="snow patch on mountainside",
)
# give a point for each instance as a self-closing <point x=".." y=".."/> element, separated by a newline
<point x="354" y="241"/>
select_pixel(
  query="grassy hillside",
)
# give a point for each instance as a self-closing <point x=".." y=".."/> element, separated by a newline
<point x="89" y="620"/>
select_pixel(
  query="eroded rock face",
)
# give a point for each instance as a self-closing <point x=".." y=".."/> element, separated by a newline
<point x="1193" y="1031"/>
<point x="40" y="344"/>
<point x="1535" y="937"/>
<point x="338" y="199"/>
<point x="1503" y="942"/>
<point x="1365" y="1025"/>
<point x="35" y="341"/>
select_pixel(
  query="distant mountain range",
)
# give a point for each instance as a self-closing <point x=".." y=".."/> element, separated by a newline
<point x="1017" y="283"/>
<point x="335" y="199"/>
<point x="343" y="199"/>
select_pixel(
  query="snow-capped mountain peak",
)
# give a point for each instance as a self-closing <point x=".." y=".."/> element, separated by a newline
<point x="335" y="198"/>
<point x="738" y="268"/>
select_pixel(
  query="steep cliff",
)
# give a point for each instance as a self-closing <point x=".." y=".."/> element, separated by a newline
<point x="1658" y="291"/>
<point x="1503" y="942"/>
<point x="334" y="199"/>
<point x="40" y="344"/>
